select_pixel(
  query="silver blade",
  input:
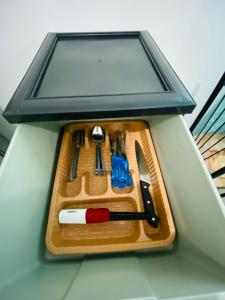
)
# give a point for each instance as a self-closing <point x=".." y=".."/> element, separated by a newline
<point x="143" y="170"/>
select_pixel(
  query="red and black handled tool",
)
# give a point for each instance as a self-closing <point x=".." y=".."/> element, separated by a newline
<point x="99" y="215"/>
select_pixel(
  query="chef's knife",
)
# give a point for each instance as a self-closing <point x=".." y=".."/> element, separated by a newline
<point x="145" y="184"/>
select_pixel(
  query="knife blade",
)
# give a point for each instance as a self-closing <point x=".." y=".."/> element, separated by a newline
<point x="145" y="181"/>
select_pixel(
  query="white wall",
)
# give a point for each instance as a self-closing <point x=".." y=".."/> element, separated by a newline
<point x="190" y="34"/>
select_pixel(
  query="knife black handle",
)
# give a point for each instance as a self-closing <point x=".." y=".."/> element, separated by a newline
<point x="125" y="215"/>
<point x="148" y="204"/>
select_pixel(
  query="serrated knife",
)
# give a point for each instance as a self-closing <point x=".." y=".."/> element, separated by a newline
<point x="145" y="184"/>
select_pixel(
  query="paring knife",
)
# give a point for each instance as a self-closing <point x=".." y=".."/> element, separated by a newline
<point x="145" y="184"/>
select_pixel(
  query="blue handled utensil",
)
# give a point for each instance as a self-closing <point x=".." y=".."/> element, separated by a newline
<point x="121" y="176"/>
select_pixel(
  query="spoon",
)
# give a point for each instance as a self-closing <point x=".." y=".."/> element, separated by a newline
<point x="98" y="137"/>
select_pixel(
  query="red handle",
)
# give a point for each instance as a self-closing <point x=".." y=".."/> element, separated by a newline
<point x="97" y="215"/>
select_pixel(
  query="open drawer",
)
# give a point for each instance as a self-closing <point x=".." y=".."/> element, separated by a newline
<point x="193" y="267"/>
<point x="106" y="76"/>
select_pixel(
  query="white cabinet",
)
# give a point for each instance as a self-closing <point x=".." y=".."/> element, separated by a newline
<point x="192" y="267"/>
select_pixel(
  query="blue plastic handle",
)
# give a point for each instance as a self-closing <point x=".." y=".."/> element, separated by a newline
<point x="120" y="174"/>
<point x="129" y="180"/>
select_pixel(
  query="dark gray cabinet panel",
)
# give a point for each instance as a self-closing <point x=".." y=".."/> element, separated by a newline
<point x="100" y="67"/>
<point x="98" y="75"/>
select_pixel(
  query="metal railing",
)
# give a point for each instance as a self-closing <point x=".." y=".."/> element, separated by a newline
<point x="208" y="131"/>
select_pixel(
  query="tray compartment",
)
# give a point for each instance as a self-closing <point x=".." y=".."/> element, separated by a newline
<point x="94" y="234"/>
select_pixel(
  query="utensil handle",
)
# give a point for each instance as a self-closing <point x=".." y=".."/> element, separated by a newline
<point x="97" y="158"/>
<point x="114" y="172"/>
<point x="129" y="180"/>
<point x="100" y="159"/>
<point x="120" y="216"/>
<point x="121" y="138"/>
<point x="73" y="169"/>
<point x="121" y="171"/>
<point x="148" y="204"/>
<point x="99" y="166"/>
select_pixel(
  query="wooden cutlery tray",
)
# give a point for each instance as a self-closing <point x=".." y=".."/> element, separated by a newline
<point x="90" y="191"/>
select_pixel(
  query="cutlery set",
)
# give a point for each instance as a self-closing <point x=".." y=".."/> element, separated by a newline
<point x="120" y="178"/>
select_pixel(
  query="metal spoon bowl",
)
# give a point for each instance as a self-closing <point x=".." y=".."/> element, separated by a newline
<point x="98" y="137"/>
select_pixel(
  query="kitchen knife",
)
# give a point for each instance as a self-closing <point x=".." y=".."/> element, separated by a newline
<point x="145" y="184"/>
<point x="97" y="215"/>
